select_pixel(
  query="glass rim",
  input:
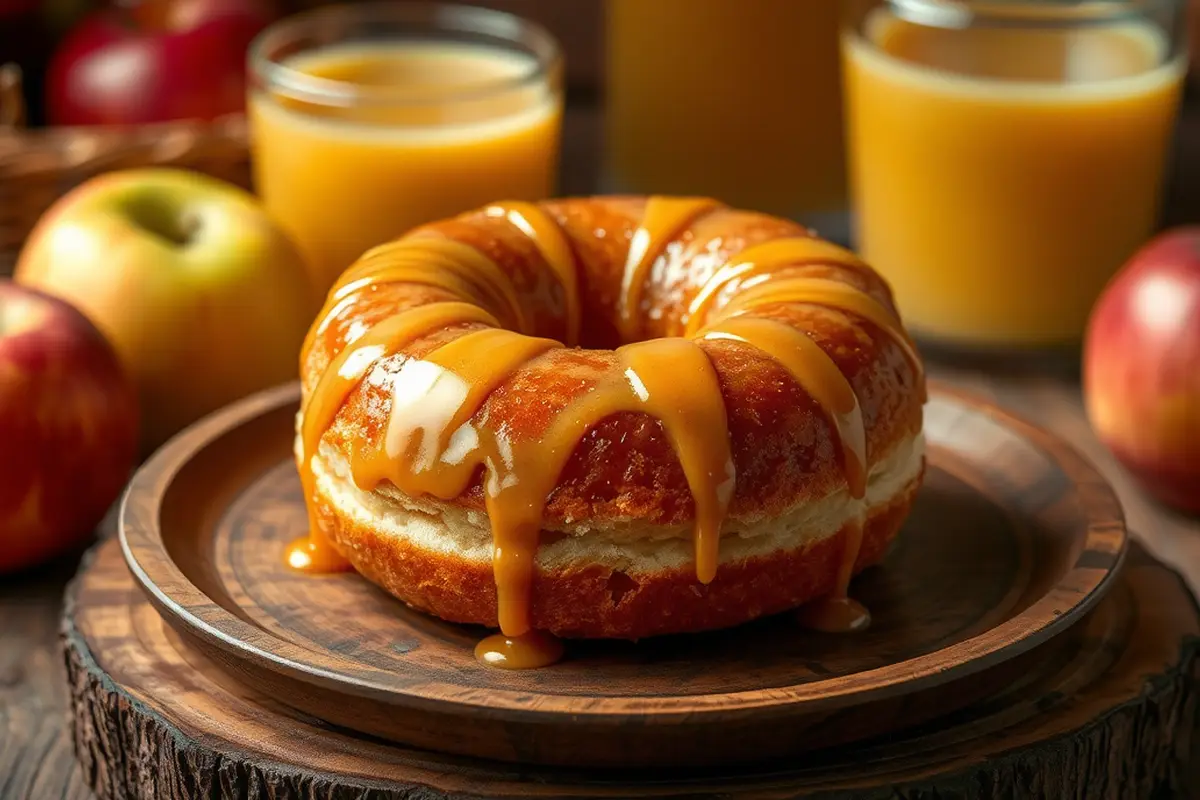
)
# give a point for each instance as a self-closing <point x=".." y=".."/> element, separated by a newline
<point x="443" y="20"/>
<point x="963" y="13"/>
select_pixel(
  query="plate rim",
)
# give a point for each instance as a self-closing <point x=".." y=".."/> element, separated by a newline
<point x="985" y="649"/>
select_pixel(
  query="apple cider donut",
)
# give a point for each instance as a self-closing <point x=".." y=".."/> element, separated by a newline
<point x="609" y="417"/>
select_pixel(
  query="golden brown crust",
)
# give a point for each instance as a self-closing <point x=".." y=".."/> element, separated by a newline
<point x="784" y="449"/>
<point x="594" y="601"/>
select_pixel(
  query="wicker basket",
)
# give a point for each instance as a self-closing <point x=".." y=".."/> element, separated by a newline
<point x="37" y="166"/>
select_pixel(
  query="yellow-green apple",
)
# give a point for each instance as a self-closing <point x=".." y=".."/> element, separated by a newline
<point x="68" y="427"/>
<point x="1141" y="367"/>
<point x="203" y="296"/>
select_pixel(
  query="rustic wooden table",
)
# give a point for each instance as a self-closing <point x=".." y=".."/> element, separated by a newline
<point x="36" y="758"/>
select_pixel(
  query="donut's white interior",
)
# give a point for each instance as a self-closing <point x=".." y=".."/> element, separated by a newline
<point x="626" y="545"/>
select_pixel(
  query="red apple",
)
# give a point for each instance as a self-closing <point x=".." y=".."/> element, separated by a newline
<point x="158" y="60"/>
<point x="1141" y="367"/>
<point x="68" y="427"/>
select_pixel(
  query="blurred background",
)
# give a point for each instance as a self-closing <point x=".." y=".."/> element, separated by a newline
<point x="1001" y="164"/>
<point x="759" y="84"/>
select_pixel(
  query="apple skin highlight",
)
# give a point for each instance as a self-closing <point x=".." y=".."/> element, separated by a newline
<point x="1141" y="368"/>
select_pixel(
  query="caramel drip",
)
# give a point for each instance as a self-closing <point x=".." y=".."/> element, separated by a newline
<point x="816" y="373"/>
<point x="428" y="444"/>
<point x="669" y="379"/>
<point x="347" y="292"/>
<point x="676" y="382"/>
<point x="835" y="614"/>
<point x="765" y="258"/>
<point x="314" y="552"/>
<point x="853" y="546"/>
<point x="392" y="262"/>
<point x="519" y="484"/>
<point x="416" y="272"/>
<point x="431" y="447"/>
<point x="529" y="651"/>
<point x="831" y="294"/>
<point x="556" y="250"/>
<point x="664" y="219"/>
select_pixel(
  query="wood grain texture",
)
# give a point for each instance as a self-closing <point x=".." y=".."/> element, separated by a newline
<point x="36" y="754"/>
<point x="1109" y="713"/>
<point x="1047" y="392"/>
<point x="1013" y="537"/>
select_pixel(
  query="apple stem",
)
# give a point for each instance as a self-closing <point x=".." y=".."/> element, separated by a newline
<point x="164" y="219"/>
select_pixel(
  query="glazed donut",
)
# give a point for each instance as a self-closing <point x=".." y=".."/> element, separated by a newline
<point x="610" y="417"/>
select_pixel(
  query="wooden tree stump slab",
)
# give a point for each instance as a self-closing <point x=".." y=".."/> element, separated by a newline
<point x="1111" y="712"/>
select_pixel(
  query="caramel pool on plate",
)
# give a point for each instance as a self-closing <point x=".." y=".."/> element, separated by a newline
<point x="1003" y="173"/>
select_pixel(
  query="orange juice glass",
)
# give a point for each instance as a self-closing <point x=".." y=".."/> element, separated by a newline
<point x="735" y="99"/>
<point x="1007" y="157"/>
<point x="367" y="120"/>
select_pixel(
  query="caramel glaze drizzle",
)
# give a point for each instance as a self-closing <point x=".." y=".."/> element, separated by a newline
<point x="435" y="442"/>
<point x="811" y="367"/>
<point x="556" y="250"/>
<point x="816" y="373"/>
<point x="314" y="552"/>
<point x="663" y="220"/>
<point x="763" y="259"/>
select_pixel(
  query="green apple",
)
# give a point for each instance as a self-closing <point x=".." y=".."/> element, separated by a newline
<point x="203" y="296"/>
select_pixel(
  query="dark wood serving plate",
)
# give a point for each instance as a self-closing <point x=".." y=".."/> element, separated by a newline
<point x="1013" y="538"/>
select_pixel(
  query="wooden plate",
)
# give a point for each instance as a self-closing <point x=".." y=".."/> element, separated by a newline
<point x="1013" y="537"/>
<point x="1111" y="714"/>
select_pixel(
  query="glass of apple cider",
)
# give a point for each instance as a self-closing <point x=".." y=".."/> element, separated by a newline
<point x="1008" y="156"/>
<point x="367" y="120"/>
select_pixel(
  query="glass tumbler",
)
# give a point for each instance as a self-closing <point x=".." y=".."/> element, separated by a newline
<point x="370" y="119"/>
<point x="1008" y="156"/>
